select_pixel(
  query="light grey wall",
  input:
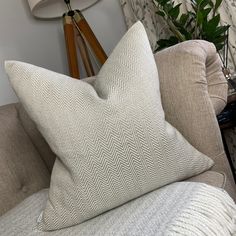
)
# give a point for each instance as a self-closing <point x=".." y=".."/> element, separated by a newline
<point x="42" y="42"/>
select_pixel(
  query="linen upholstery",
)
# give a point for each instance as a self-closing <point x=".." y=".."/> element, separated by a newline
<point x="115" y="145"/>
<point x="22" y="172"/>
<point x="36" y="138"/>
<point x="172" y="210"/>
<point x="184" y="70"/>
<point x="210" y="177"/>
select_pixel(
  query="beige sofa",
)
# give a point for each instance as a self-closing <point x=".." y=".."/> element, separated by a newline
<point x="191" y="97"/>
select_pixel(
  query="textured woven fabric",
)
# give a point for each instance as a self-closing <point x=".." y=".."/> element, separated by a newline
<point x="22" y="171"/>
<point x="188" y="72"/>
<point x="212" y="178"/>
<point x="178" y="209"/>
<point x="111" y="137"/>
<point x="36" y="138"/>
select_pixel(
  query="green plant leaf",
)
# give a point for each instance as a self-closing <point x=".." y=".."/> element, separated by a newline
<point x="183" y="30"/>
<point x="215" y="20"/>
<point x="221" y="30"/>
<point x="174" y="12"/>
<point x="183" y="19"/>
<point x="168" y="7"/>
<point x="161" y="13"/>
<point x="201" y="22"/>
<point x="164" y="43"/>
<point x="211" y="4"/>
<point x="221" y="39"/>
<point x="200" y="18"/>
<point x="211" y="26"/>
<point x="219" y="45"/>
<point x="217" y="4"/>
<point x="203" y="4"/>
<point x="206" y="12"/>
<point x="162" y="2"/>
<point x="198" y="2"/>
<point x="187" y="34"/>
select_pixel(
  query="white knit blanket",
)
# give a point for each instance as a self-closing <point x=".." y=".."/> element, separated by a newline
<point x="178" y="209"/>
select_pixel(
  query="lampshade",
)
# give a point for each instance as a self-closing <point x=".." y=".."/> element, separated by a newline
<point x="55" y="8"/>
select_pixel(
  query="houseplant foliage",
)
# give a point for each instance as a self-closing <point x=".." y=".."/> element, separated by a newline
<point x="201" y="22"/>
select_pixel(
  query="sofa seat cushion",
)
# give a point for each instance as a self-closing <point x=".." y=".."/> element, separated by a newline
<point x="213" y="178"/>
<point x="178" y="209"/>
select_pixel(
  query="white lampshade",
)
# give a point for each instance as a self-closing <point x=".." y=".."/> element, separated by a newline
<point x="55" y="8"/>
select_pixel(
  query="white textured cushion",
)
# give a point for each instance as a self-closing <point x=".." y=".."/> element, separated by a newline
<point x="111" y="137"/>
<point x="190" y="209"/>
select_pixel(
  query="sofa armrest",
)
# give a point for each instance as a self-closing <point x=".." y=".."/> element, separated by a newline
<point x="193" y="89"/>
<point x="211" y="69"/>
<point x="185" y="70"/>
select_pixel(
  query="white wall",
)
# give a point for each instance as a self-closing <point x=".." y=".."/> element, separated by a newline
<point x="42" y="42"/>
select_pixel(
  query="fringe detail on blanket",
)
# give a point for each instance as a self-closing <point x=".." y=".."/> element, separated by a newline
<point x="211" y="212"/>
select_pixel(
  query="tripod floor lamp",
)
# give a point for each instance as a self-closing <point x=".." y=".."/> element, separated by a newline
<point x="76" y="29"/>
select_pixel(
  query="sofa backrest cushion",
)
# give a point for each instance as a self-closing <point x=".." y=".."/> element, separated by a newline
<point x="36" y="138"/>
<point x="22" y="171"/>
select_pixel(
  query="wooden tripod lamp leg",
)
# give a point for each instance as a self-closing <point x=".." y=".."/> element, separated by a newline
<point x="84" y="55"/>
<point x="90" y="37"/>
<point x="71" y="47"/>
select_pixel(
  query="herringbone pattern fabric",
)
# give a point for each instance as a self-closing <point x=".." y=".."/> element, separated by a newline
<point x="111" y="137"/>
<point x="179" y="209"/>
